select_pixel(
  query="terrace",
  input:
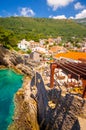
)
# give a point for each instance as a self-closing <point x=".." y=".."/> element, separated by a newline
<point x="74" y="73"/>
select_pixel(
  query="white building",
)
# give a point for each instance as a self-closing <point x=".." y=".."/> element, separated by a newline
<point x="39" y="49"/>
<point x="23" y="45"/>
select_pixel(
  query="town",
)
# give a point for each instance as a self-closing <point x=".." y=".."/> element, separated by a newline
<point x="49" y="51"/>
<point x="54" y="83"/>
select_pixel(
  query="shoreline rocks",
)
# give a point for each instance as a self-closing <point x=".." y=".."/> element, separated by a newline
<point x="25" y="115"/>
<point x="12" y="59"/>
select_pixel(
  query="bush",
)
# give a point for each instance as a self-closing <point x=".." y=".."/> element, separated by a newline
<point x="29" y="51"/>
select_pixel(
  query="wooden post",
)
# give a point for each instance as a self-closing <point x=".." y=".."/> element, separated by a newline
<point x="52" y="68"/>
<point x="84" y="86"/>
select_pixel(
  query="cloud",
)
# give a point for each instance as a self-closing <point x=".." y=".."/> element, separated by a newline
<point x="15" y="15"/>
<point x="82" y="14"/>
<point x="26" y="12"/>
<point x="58" y="17"/>
<point x="71" y="17"/>
<point x="55" y="4"/>
<point x="79" y="6"/>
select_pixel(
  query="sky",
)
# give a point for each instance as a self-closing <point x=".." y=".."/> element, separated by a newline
<point x="57" y="9"/>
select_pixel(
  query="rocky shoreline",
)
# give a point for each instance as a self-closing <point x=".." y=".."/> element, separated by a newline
<point x="33" y="111"/>
<point x="38" y="108"/>
<point x="25" y="116"/>
<point x="16" y="61"/>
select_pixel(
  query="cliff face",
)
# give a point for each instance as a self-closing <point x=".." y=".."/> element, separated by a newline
<point x="25" y="116"/>
<point x="15" y="60"/>
<point x="9" y="58"/>
<point x="3" y="54"/>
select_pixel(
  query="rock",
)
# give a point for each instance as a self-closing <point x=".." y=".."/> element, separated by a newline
<point x="64" y="114"/>
<point x="25" y="69"/>
<point x="41" y="96"/>
<point x="3" y="56"/>
<point x="25" y="117"/>
<point x="15" y="60"/>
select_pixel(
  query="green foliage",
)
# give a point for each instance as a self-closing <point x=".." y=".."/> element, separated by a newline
<point x="7" y="38"/>
<point x="60" y="44"/>
<point x="16" y="48"/>
<point x="29" y="51"/>
<point x="46" y="43"/>
<point x="14" y="29"/>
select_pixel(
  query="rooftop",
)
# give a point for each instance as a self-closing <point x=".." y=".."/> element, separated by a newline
<point x="72" y="55"/>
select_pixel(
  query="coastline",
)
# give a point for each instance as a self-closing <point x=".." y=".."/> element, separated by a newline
<point x="18" y="71"/>
<point x="25" y="112"/>
<point x="23" y="94"/>
<point x="9" y="84"/>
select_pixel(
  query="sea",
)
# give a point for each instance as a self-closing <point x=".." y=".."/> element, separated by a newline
<point x="10" y="82"/>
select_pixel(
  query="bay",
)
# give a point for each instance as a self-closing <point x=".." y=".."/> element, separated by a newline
<point x="10" y="82"/>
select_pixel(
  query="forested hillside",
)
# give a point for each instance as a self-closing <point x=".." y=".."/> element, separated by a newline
<point x="13" y="29"/>
<point x="81" y="21"/>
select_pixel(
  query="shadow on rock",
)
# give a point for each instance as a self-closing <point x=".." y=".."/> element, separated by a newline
<point x="63" y="116"/>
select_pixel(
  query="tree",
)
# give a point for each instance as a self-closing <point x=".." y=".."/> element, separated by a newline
<point x="29" y="51"/>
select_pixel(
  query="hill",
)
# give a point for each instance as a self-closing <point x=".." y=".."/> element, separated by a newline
<point x="81" y="21"/>
<point x="14" y="29"/>
<point x="34" y="28"/>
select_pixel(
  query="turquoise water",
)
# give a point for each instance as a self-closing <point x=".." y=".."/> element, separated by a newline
<point x="10" y="82"/>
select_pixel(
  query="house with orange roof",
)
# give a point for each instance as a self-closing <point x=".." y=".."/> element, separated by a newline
<point x="50" y="41"/>
<point x="57" y="49"/>
<point x="72" y="55"/>
<point x="54" y="40"/>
